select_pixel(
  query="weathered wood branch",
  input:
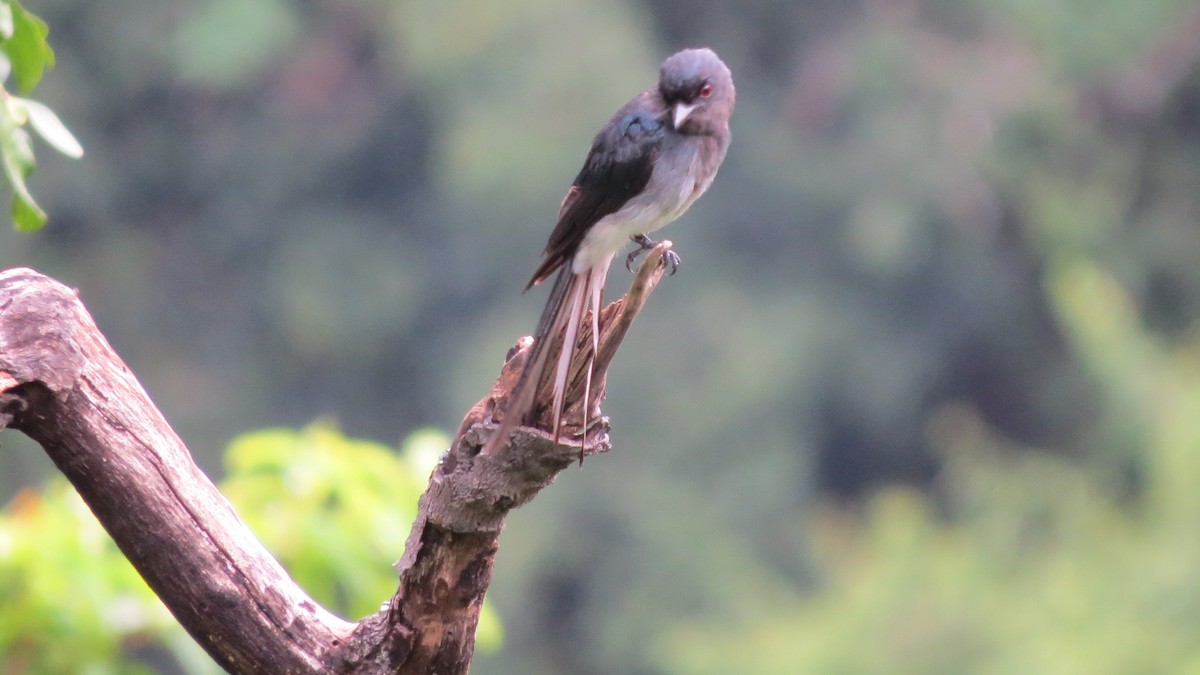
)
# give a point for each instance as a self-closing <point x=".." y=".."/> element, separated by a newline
<point x="64" y="386"/>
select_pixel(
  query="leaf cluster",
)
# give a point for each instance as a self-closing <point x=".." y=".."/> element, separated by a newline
<point x="25" y="54"/>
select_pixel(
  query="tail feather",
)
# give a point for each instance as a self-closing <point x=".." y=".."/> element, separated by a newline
<point x="569" y="300"/>
<point x="520" y="400"/>
<point x="578" y="305"/>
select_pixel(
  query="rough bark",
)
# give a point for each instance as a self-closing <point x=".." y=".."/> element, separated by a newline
<point x="64" y="386"/>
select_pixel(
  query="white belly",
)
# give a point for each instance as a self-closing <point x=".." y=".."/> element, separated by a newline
<point x="660" y="203"/>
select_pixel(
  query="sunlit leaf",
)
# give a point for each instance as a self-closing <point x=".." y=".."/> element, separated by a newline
<point x="6" y="21"/>
<point x="50" y="127"/>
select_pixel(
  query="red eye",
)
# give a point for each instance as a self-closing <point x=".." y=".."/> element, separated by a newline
<point x="706" y="90"/>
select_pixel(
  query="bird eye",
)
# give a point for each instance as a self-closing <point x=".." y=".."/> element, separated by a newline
<point x="706" y="90"/>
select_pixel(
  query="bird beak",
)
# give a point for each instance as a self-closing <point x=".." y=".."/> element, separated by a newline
<point x="680" y="114"/>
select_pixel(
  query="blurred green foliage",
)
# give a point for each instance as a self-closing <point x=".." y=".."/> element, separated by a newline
<point x="917" y="400"/>
<point x="335" y="511"/>
<point x="1024" y="562"/>
<point x="63" y="582"/>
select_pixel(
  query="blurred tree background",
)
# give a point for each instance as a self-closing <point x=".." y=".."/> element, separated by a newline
<point x="922" y="398"/>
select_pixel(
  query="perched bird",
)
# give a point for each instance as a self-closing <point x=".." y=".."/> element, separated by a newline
<point x="655" y="156"/>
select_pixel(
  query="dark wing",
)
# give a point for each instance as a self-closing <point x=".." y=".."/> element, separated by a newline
<point x="617" y="168"/>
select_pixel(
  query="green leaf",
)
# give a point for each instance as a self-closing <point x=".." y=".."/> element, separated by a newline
<point x="16" y="157"/>
<point x="18" y="160"/>
<point x="27" y="49"/>
<point x="27" y="216"/>
<point x="50" y="127"/>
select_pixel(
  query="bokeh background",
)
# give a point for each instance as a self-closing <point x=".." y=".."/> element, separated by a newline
<point x="924" y="396"/>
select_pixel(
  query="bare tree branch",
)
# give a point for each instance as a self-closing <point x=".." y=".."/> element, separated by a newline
<point x="74" y="396"/>
<point x="63" y="385"/>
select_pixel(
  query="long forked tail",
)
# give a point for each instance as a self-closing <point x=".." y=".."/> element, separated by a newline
<point x="568" y="302"/>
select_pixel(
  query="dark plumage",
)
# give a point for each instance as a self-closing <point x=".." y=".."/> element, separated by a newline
<point x="655" y="157"/>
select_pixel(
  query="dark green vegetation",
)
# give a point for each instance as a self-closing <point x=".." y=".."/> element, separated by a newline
<point x="921" y="399"/>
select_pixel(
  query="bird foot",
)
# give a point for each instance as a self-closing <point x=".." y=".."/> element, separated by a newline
<point x="670" y="257"/>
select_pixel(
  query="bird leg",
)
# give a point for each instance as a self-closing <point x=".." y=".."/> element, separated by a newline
<point x="670" y="258"/>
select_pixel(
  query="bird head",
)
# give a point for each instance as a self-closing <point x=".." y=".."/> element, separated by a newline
<point x="698" y="90"/>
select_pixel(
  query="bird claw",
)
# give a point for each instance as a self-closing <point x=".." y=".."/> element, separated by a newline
<point x="670" y="258"/>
